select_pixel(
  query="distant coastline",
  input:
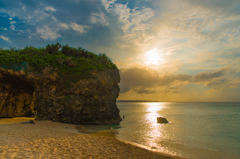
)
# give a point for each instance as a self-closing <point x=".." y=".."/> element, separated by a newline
<point x="136" y="101"/>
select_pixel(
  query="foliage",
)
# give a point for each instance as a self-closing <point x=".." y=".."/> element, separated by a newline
<point x="53" y="48"/>
<point x="72" y="63"/>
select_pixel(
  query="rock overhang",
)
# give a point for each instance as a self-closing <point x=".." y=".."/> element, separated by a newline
<point x="71" y="85"/>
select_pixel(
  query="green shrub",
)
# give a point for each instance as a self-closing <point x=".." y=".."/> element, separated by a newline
<point x="71" y="63"/>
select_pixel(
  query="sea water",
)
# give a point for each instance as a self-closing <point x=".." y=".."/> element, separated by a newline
<point x="195" y="130"/>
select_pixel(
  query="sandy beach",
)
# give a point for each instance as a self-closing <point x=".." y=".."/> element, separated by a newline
<point x="47" y="139"/>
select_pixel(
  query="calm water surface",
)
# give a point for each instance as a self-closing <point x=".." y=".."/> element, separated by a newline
<point x="196" y="130"/>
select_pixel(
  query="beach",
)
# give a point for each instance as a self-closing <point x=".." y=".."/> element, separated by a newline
<point x="47" y="139"/>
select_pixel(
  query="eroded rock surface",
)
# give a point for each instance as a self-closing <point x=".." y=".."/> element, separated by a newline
<point x="17" y="96"/>
<point x="88" y="101"/>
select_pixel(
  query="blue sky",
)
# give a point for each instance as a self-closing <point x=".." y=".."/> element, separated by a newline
<point x="166" y="50"/>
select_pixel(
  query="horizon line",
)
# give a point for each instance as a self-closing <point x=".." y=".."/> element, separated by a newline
<point x="178" y="101"/>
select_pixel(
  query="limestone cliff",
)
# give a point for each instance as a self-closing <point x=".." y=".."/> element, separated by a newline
<point x="88" y="101"/>
<point x="70" y="85"/>
<point x="17" y="94"/>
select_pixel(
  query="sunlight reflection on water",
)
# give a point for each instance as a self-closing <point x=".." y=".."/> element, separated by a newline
<point x="154" y="130"/>
<point x="185" y="135"/>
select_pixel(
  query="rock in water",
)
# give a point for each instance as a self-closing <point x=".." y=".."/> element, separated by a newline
<point x="162" y="120"/>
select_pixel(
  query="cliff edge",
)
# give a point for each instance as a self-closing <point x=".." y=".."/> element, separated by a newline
<point x="71" y="85"/>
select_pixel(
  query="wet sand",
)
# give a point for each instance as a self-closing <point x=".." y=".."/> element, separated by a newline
<point x="47" y="139"/>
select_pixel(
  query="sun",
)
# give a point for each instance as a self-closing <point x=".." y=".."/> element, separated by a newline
<point x="153" y="57"/>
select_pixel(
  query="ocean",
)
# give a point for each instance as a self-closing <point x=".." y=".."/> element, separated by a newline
<point x="195" y="130"/>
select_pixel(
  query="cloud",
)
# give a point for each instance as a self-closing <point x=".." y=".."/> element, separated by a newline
<point x="78" y="27"/>
<point x="199" y="26"/>
<point x="224" y="82"/>
<point x="12" y="22"/>
<point x="213" y="90"/>
<point x="206" y="76"/>
<point x="99" y="18"/>
<point x="167" y="79"/>
<point x="12" y="27"/>
<point x="48" y="8"/>
<point x="134" y="21"/>
<point x="217" y="82"/>
<point x="65" y="21"/>
<point x="2" y="28"/>
<point x="133" y="26"/>
<point x="64" y="26"/>
<point x="224" y="78"/>
<point x="48" y="33"/>
<point x="165" y="91"/>
<point x="228" y="7"/>
<point x="5" y="38"/>
<point x="144" y="91"/>
<point x="144" y="78"/>
<point x="176" y="92"/>
<point x="108" y="3"/>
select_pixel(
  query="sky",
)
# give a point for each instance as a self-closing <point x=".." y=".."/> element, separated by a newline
<point x="166" y="50"/>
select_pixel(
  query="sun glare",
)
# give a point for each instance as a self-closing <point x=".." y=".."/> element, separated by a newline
<point x="153" y="57"/>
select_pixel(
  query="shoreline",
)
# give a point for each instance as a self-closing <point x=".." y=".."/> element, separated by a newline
<point x="175" y="150"/>
<point x="150" y="149"/>
<point x="47" y="139"/>
<point x="111" y="135"/>
<point x="108" y="133"/>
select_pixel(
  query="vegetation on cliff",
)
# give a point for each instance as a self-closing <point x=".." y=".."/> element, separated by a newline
<point x="76" y="62"/>
<point x="62" y="83"/>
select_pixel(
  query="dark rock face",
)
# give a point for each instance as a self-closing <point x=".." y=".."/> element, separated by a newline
<point x="161" y="120"/>
<point x="91" y="101"/>
<point x="17" y="96"/>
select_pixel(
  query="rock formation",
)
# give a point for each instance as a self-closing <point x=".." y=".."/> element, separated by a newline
<point x="162" y="120"/>
<point x="17" y="94"/>
<point x="87" y="101"/>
